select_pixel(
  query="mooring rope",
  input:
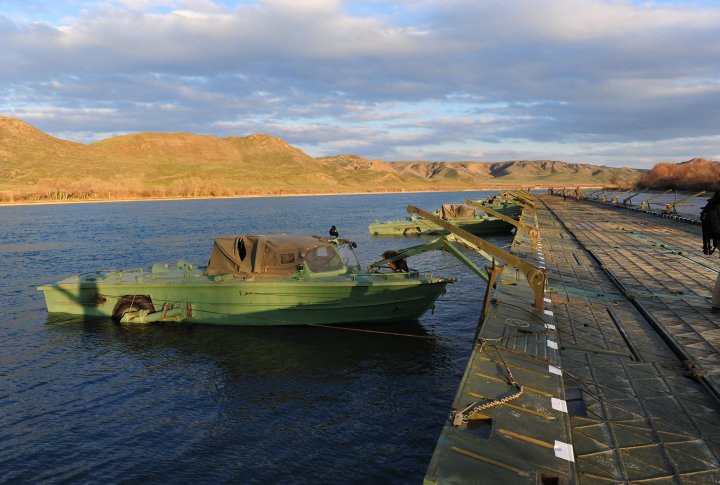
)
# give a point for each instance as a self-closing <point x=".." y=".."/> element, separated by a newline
<point x="382" y="332"/>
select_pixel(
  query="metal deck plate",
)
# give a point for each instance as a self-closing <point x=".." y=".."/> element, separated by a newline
<point x="637" y="354"/>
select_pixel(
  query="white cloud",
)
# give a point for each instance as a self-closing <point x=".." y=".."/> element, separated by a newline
<point x="460" y="78"/>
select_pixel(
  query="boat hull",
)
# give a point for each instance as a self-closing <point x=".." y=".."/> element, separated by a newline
<point x="479" y="226"/>
<point x="418" y="227"/>
<point x="384" y="297"/>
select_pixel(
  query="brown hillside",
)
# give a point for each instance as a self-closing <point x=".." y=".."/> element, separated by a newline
<point x="355" y="162"/>
<point x="27" y="154"/>
<point x="352" y="169"/>
<point x="546" y="172"/>
<point x="473" y="172"/>
<point x="35" y="165"/>
<point x="236" y="159"/>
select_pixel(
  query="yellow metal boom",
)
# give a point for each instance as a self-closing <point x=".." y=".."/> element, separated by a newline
<point x="628" y="199"/>
<point x="535" y="276"/>
<point x="615" y="198"/>
<point x="532" y="232"/>
<point x="670" y="208"/>
<point x="645" y="204"/>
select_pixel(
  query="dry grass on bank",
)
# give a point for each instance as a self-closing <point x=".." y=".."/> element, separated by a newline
<point x="126" y="188"/>
<point x="89" y="188"/>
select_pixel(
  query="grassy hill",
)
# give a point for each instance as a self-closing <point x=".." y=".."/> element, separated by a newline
<point x="37" y="166"/>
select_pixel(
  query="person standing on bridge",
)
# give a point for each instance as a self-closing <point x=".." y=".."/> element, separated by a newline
<point x="577" y="193"/>
<point x="710" y="220"/>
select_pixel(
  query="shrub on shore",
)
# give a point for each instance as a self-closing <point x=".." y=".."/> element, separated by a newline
<point x="696" y="174"/>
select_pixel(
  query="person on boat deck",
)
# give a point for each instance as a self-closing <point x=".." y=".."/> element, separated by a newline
<point x="710" y="220"/>
<point x="399" y="265"/>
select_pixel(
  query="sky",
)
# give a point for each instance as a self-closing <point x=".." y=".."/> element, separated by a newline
<point x="618" y="83"/>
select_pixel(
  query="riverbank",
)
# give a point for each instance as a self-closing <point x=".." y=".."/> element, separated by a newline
<point x="258" y="196"/>
<point x="248" y="196"/>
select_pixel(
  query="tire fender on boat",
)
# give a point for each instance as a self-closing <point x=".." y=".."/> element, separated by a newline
<point x="132" y="303"/>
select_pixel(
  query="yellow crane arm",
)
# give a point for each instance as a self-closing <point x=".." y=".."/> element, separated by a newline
<point x="535" y="276"/>
<point x="645" y="204"/>
<point x="670" y="208"/>
<point x="531" y="231"/>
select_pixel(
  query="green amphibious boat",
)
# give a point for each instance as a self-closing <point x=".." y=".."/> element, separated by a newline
<point x="253" y="280"/>
<point x="470" y="219"/>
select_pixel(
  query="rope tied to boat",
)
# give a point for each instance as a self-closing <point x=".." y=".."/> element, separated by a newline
<point x="383" y="332"/>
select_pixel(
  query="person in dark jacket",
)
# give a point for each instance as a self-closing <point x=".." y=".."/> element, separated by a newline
<point x="710" y="220"/>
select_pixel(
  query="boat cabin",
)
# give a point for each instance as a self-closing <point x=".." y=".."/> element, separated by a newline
<point x="279" y="255"/>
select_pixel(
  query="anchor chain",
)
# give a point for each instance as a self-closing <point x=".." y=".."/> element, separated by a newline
<point x="461" y="417"/>
<point x="458" y="418"/>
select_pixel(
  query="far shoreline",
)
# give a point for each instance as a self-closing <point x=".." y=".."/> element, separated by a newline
<point x="251" y="196"/>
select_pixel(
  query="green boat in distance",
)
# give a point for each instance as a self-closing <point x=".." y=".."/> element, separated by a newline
<point x="278" y="279"/>
<point x="465" y="217"/>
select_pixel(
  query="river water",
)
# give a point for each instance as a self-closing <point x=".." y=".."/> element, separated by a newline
<point x="91" y="400"/>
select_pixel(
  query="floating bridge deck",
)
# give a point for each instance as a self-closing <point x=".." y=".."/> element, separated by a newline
<point x="616" y="381"/>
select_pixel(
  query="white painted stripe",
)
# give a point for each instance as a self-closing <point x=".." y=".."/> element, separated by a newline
<point x="555" y="370"/>
<point x="552" y="344"/>
<point x="559" y="405"/>
<point x="550" y="326"/>
<point x="564" y="451"/>
<point x="547" y="300"/>
<point x="548" y="312"/>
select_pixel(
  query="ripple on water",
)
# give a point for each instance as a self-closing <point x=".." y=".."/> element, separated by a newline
<point x="85" y="400"/>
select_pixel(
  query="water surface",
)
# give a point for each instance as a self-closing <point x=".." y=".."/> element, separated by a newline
<point x="89" y="400"/>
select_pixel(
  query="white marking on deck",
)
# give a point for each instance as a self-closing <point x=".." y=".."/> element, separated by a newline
<point x="564" y="451"/>
<point x="559" y="405"/>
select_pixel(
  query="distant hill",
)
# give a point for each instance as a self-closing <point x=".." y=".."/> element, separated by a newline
<point x="521" y="172"/>
<point x="35" y="165"/>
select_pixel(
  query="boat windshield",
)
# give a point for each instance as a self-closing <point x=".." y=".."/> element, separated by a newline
<point x="322" y="259"/>
<point x="348" y="256"/>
